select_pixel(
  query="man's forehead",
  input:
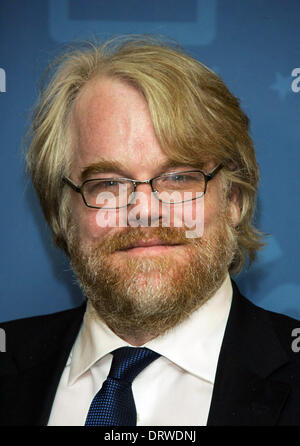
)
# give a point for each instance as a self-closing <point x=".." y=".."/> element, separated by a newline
<point x="115" y="133"/>
<point x="104" y="94"/>
<point x="108" y="110"/>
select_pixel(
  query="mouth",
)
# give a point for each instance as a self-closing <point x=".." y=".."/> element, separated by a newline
<point x="149" y="247"/>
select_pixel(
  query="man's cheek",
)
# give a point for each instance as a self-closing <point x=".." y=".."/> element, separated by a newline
<point x="89" y="229"/>
<point x="112" y="218"/>
<point x="190" y="215"/>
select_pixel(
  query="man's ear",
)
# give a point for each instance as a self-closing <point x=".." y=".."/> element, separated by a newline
<point x="234" y="205"/>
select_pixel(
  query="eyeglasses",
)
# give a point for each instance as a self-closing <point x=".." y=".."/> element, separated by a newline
<point x="115" y="193"/>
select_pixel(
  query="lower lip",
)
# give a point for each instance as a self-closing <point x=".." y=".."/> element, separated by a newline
<point x="155" y="249"/>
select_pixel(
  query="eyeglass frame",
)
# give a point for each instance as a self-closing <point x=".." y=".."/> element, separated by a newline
<point x="78" y="189"/>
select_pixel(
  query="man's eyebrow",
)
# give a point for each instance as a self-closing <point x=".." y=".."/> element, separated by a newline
<point x="171" y="164"/>
<point x="101" y="166"/>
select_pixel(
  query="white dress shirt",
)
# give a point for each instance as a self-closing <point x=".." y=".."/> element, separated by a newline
<point x="174" y="390"/>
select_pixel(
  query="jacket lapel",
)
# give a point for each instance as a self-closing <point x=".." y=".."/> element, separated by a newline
<point x="244" y="392"/>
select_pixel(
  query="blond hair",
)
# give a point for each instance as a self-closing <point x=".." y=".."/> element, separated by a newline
<point x="195" y="117"/>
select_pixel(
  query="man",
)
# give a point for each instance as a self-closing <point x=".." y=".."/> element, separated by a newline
<point x="133" y="144"/>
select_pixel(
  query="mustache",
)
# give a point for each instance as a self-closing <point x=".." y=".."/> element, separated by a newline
<point x="126" y="238"/>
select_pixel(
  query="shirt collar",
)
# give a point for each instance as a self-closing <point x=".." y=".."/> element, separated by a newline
<point x="194" y="345"/>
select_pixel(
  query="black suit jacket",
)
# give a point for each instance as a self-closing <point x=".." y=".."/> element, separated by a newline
<point x="257" y="381"/>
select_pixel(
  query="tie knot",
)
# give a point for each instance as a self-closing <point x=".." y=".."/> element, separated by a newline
<point x="128" y="362"/>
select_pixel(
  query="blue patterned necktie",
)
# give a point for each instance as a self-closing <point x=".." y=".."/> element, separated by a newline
<point x="114" y="404"/>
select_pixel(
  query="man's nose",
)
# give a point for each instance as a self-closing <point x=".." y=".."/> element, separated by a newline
<point x="144" y="208"/>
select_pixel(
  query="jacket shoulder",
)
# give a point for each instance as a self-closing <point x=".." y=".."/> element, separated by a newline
<point x="33" y="321"/>
<point x="39" y="332"/>
<point x="283" y="326"/>
<point x="287" y="329"/>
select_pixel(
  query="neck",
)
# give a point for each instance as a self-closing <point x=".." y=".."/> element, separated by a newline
<point x="136" y="340"/>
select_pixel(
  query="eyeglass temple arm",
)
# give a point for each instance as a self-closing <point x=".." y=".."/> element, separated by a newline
<point x="214" y="172"/>
<point x="70" y="183"/>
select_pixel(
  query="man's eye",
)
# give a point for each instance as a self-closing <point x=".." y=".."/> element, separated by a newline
<point x="110" y="183"/>
<point x="173" y="178"/>
<point x="178" y="178"/>
<point x="94" y="187"/>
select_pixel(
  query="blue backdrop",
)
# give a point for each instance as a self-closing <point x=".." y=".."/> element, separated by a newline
<point x="253" y="44"/>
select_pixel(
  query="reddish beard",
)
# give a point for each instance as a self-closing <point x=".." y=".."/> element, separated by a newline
<point x="138" y="296"/>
